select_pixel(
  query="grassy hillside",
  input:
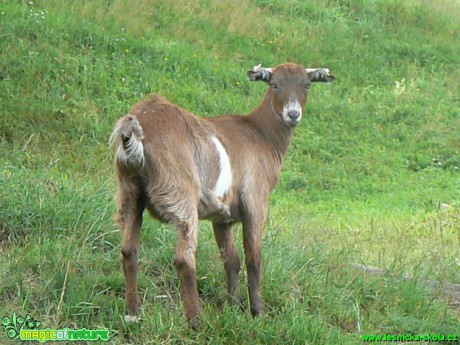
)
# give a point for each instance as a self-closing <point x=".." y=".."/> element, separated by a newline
<point x="372" y="162"/>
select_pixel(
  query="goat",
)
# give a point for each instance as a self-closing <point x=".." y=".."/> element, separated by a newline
<point x="183" y="168"/>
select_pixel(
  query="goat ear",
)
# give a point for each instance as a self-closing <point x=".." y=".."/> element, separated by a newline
<point x="260" y="73"/>
<point x="320" y="74"/>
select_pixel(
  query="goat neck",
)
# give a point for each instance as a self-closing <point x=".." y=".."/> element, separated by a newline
<point x="272" y="128"/>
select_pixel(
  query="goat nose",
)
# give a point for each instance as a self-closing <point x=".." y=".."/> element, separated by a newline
<point x="293" y="114"/>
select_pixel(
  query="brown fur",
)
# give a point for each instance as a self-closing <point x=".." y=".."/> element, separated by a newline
<point x="180" y="166"/>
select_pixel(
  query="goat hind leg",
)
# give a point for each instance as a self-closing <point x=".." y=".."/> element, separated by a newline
<point x="185" y="263"/>
<point x="129" y="217"/>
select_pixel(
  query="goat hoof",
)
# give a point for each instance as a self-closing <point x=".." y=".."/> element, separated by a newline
<point x="256" y="312"/>
<point x="195" y="323"/>
<point x="133" y="316"/>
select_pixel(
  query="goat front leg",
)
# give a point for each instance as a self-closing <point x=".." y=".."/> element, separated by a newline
<point x="224" y="237"/>
<point x="185" y="263"/>
<point x="252" y="238"/>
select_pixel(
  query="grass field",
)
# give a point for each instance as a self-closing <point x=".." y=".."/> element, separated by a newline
<point x="368" y="177"/>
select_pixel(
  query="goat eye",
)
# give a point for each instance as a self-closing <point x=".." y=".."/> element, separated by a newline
<point x="273" y="85"/>
<point x="307" y="85"/>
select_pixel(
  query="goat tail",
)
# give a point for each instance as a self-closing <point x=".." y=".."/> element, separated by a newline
<point x="127" y="137"/>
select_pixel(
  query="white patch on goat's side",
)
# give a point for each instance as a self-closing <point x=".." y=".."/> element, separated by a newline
<point x="292" y="105"/>
<point x="224" y="181"/>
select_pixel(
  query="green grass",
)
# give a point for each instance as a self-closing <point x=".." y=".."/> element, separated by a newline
<point x="373" y="160"/>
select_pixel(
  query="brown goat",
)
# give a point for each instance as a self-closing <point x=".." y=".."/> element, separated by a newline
<point x="182" y="168"/>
